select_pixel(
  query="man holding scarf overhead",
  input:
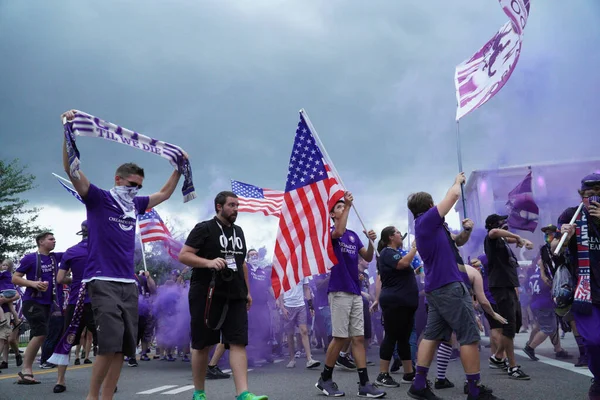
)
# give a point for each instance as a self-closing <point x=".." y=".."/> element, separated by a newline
<point x="583" y="254"/>
<point x="110" y="275"/>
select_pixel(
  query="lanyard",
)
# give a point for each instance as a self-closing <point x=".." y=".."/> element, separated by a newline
<point x="224" y="241"/>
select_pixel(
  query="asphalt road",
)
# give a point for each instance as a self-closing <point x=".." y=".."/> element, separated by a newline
<point x="163" y="380"/>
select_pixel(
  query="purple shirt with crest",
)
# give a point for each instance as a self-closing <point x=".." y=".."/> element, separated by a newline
<point x="28" y="267"/>
<point x="439" y="259"/>
<point x="344" y="275"/>
<point x="75" y="259"/>
<point x="111" y="237"/>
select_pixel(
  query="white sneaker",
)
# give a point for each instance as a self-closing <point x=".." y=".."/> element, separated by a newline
<point x="291" y="364"/>
<point x="312" y="363"/>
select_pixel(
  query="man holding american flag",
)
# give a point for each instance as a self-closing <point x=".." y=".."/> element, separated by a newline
<point x="346" y="303"/>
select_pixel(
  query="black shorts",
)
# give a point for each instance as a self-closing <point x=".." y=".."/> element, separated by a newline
<point x="235" y="326"/>
<point x="115" y="306"/>
<point x="509" y="307"/>
<point x="368" y="325"/>
<point x="494" y="324"/>
<point x="38" y="316"/>
<point x="87" y="320"/>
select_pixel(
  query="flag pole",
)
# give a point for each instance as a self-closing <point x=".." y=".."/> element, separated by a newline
<point x="143" y="252"/>
<point x="333" y="169"/>
<point x="460" y="168"/>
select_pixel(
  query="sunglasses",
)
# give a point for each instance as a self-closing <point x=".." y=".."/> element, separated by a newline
<point x="131" y="184"/>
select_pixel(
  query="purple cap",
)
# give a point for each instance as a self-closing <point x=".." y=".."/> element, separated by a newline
<point x="84" y="228"/>
<point x="589" y="181"/>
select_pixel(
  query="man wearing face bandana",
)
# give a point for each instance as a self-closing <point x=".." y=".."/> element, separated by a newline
<point x="109" y="273"/>
<point x="504" y="285"/>
<point x="582" y="252"/>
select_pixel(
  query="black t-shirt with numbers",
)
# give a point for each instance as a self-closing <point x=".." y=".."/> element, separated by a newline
<point x="502" y="263"/>
<point x="207" y="237"/>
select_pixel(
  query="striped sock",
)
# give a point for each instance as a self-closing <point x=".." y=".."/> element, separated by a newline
<point x="443" y="358"/>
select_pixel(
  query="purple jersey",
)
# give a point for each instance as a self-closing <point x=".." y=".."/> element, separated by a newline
<point x="344" y="275"/>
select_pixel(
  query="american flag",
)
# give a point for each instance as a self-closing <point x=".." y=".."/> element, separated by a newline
<point x="254" y="199"/>
<point x="152" y="229"/>
<point x="303" y="246"/>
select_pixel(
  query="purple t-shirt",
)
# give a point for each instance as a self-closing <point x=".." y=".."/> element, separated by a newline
<point x="28" y="267"/>
<point x="344" y="275"/>
<point x="321" y="284"/>
<point x="6" y="283"/>
<point x="439" y="259"/>
<point x="111" y="238"/>
<point x="260" y="282"/>
<point x="75" y="259"/>
<point x="541" y="297"/>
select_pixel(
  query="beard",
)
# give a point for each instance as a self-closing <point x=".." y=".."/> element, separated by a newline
<point x="231" y="217"/>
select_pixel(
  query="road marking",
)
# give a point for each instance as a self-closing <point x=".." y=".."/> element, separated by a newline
<point x="158" y="389"/>
<point x="47" y="371"/>
<point x="179" y="390"/>
<point x="277" y="361"/>
<point x="558" y="364"/>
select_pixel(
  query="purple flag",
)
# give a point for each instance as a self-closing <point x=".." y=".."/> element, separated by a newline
<point x="523" y="211"/>
<point x="480" y="77"/>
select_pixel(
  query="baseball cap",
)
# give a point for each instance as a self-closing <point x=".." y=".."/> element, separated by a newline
<point x="549" y="229"/>
<point x="84" y="228"/>
<point x="493" y="220"/>
<point x="590" y="181"/>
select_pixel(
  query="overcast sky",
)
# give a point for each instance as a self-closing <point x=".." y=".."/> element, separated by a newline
<point x="225" y="80"/>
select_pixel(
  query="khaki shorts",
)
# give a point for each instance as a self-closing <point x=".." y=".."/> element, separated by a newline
<point x="5" y="330"/>
<point x="346" y="314"/>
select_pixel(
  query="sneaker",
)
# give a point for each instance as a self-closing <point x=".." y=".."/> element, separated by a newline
<point x="482" y="388"/>
<point x="495" y="363"/>
<point x="423" y="394"/>
<point x="396" y="365"/>
<point x="483" y="396"/>
<point x="185" y="358"/>
<point x="564" y="355"/>
<point x="77" y="361"/>
<point x="530" y="353"/>
<point x="87" y="361"/>
<point x="132" y="362"/>
<point x="312" y="363"/>
<point x="3" y="365"/>
<point x="47" y="365"/>
<point x="368" y="390"/>
<point x="594" y="391"/>
<point x="385" y="380"/>
<point x="298" y="354"/>
<point x="582" y="362"/>
<point x="329" y="388"/>
<point x="19" y="360"/>
<point x="214" y="372"/>
<point x="345" y="363"/>
<point x="251" y="396"/>
<point x="199" y="395"/>
<point x="291" y="364"/>
<point x="408" y="378"/>
<point x="144" y="357"/>
<point x="170" y="358"/>
<point x="518" y="374"/>
<point x="506" y="365"/>
<point x="443" y="384"/>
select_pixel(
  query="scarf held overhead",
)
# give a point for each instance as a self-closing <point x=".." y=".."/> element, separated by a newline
<point x="87" y="125"/>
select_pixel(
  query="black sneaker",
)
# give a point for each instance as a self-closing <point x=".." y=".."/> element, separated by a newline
<point x="132" y="362"/>
<point x="214" y="372"/>
<point x="530" y="353"/>
<point x="47" y="365"/>
<point x="482" y="388"/>
<point x="3" y="365"/>
<point x="423" y="394"/>
<point x="345" y="363"/>
<point x="396" y="365"/>
<point x="483" y="396"/>
<point x="443" y="384"/>
<point x="562" y="354"/>
<point x="518" y="374"/>
<point x="408" y="378"/>
<point x="384" y="379"/>
<point x="19" y="360"/>
<point x="77" y="361"/>
<point x="495" y="363"/>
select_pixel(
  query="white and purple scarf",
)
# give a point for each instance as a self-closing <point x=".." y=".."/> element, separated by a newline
<point x="87" y="125"/>
<point x="63" y="348"/>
